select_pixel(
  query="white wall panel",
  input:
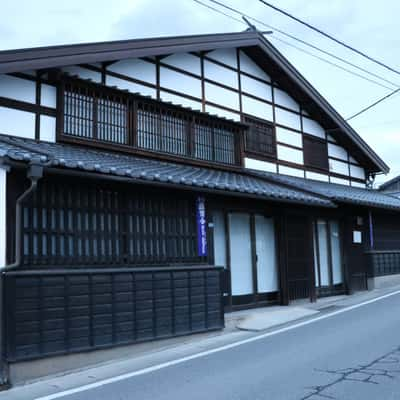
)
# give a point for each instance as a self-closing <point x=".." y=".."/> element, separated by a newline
<point x="287" y="118"/>
<point x="339" y="181"/>
<point x="357" y="172"/>
<point x="289" y="137"/>
<point x="249" y="66"/>
<point x="222" y="113"/>
<point x="317" y="177"/>
<point x="338" y="167"/>
<point x="17" y="123"/>
<point x="185" y="61"/>
<point x="83" y="73"/>
<point x="358" y="184"/>
<point x="224" y="97"/>
<point x="48" y="96"/>
<point x="221" y="74"/>
<point x="226" y="56"/>
<point x="132" y="87"/>
<point x="180" y="82"/>
<point x="288" y="154"/>
<point x="353" y="160"/>
<point x="284" y="170"/>
<point x="47" y="128"/>
<point x="3" y="224"/>
<point x="17" y="88"/>
<point x="260" y="165"/>
<point x="330" y="138"/>
<point x="256" y="88"/>
<point x="257" y="108"/>
<point x="179" y="100"/>
<point x="313" y="128"/>
<point x="337" y="151"/>
<point x="283" y="99"/>
<point x="135" y="68"/>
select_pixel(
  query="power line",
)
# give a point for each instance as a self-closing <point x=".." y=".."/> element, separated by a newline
<point x="330" y="37"/>
<point x="331" y="63"/>
<point x="373" y="104"/>
<point x="238" y="12"/>
<point x="220" y="12"/>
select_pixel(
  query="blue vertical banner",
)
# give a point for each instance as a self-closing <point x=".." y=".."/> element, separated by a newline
<point x="201" y="226"/>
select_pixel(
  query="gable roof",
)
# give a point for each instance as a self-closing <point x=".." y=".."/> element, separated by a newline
<point x="253" y="42"/>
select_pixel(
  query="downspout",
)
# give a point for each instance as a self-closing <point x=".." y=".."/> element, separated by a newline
<point x="34" y="174"/>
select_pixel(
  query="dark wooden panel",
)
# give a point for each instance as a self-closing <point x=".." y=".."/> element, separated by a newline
<point x="315" y="153"/>
<point x="59" y="313"/>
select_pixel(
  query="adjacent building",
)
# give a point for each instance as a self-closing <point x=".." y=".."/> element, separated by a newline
<point x="149" y="186"/>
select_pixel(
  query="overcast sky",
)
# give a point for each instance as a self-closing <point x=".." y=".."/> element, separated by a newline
<point x="367" y="25"/>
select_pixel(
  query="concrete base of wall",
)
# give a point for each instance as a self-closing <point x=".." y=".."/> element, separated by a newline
<point x="379" y="282"/>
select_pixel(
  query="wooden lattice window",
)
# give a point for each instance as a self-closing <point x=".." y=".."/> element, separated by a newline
<point x="260" y="137"/>
<point x="315" y="153"/>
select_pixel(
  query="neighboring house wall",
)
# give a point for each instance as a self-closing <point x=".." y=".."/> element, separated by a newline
<point x="3" y="208"/>
<point x="224" y="82"/>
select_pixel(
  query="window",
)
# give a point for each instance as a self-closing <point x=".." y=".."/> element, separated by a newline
<point x="92" y="112"/>
<point x="315" y="153"/>
<point x="260" y="137"/>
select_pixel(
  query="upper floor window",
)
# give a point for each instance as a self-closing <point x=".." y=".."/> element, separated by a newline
<point x="107" y="115"/>
<point x="315" y="152"/>
<point x="260" y="137"/>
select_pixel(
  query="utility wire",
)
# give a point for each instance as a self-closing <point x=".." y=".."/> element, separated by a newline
<point x="382" y="64"/>
<point x="373" y="104"/>
<point x="330" y="62"/>
<point x="238" y="12"/>
<point x="220" y="12"/>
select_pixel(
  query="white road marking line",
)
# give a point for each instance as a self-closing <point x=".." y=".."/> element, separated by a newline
<point x="207" y="352"/>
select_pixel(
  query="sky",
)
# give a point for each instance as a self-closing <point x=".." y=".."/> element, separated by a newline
<point x="367" y="25"/>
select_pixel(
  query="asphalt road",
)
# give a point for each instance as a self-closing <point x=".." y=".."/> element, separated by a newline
<point x="353" y="355"/>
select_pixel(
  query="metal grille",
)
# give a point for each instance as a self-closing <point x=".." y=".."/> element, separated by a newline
<point x="106" y="115"/>
<point x="80" y="224"/>
<point x="260" y="137"/>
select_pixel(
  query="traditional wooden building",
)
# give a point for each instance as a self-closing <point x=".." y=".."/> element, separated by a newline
<point x="149" y="186"/>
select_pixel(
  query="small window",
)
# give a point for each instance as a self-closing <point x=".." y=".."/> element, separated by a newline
<point x="260" y="137"/>
<point x="315" y="153"/>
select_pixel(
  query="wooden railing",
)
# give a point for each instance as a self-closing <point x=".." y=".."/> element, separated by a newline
<point x="106" y="115"/>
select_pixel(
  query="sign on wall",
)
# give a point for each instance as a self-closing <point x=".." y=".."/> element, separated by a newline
<point x="201" y="226"/>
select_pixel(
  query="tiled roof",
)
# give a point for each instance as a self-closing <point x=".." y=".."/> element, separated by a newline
<point x="144" y="170"/>
<point x="336" y="193"/>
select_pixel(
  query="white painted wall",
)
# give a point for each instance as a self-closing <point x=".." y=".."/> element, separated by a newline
<point x="288" y="154"/>
<point x="3" y="224"/>
<point x="135" y="68"/>
<point x="260" y="165"/>
<point x="357" y="172"/>
<point x="185" y="61"/>
<point x="222" y="113"/>
<point x="287" y="118"/>
<point x="48" y="96"/>
<point x="257" y="108"/>
<point x="357" y="184"/>
<point x="256" y="88"/>
<point x="221" y="74"/>
<point x="17" y="88"/>
<point x="83" y="73"/>
<point x="337" y="152"/>
<point x="340" y="181"/>
<point x="339" y="167"/>
<point x="284" y="170"/>
<point x="226" y="56"/>
<point x="173" y="80"/>
<point x="313" y="128"/>
<point x="218" y="95"/>
<point x="17" y="123"/>
<point x="283" y="99"/>
<point x="48" y="128"/>
<point x="289" y="137"/>
<point x="316" y="176"/>
<point x="249" y="66"/>
<point x="179" y="100"/>
<point x="132" y="87"/>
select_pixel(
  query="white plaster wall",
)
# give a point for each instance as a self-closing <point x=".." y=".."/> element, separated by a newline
<point x="132" y="87"/>
<point x="357" y="172"/>
<point x="357" y="184"/>
<point x="339" y="167"/>
<point x="48" y="128"/>
<point x="289" y="137"/>
<point x="17" y="123"/>
<point x="288" y="154"/>
<point x="257" y="108"/>
<point x="48" y="96"/>
<point x="317" y="177"/>
<point x="218" y="95"/>
<point x="284" y="170"/>
<point x="260" y="165"/>
<point x="83" y="73"/>
<point x="179" y="100"/>
<point x="226" y="56"/>
<point x="222" y="113"/>
<point x="185" y="61"/>
<point x="339" y="181"/>
<point x="283" y="99"/>
<point x="3" y="225"/>
<point x="313" y="128"/>
<point x="221" y="74"/>
<point x="180" y="82"/>
<point x="249" y="66"/>
<point x="256" y="88"/>
<point x="135" y="68"/>
<point x="287" y="118"/>
<point x="17" y="88"/>
<point x="337" y="151"/>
